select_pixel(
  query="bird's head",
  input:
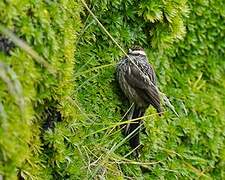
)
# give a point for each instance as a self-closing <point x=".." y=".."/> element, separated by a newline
<point x="136" y="50"/>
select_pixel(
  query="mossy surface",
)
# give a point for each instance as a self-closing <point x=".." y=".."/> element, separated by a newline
<point x="184" y="45"/>
<point x="66" y="124"/>
<point x="35" y="104"/>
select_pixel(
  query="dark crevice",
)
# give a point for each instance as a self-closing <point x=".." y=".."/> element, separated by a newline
<point x="6" y="45"/>
<point x="52" y="116"/>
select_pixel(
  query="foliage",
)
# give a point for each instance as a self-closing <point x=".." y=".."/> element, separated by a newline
<point x="189" y="71"/>
<point x="65" y="124"/>
<point x="31" y="95"/>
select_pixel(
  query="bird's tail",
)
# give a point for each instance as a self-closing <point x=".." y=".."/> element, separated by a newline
<point x="133" y="129"/>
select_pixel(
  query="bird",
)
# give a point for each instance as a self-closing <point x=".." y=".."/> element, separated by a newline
<point x="137" y="80"/>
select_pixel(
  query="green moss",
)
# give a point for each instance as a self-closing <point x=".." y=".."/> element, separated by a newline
<point x="66" y="125"/>
<point x="49" y="28"/>
<point x="189" y="71"/>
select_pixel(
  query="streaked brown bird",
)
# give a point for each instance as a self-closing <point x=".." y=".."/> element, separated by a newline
<point x="137" y="80"/>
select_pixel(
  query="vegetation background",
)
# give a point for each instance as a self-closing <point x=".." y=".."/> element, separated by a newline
<point x="60" y="105"/>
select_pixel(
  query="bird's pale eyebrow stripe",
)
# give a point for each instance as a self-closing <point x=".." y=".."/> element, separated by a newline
<point x="138" y="52"/>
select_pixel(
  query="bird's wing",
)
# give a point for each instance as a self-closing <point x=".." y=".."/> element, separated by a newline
<point x="144" y="84"/>
<point x="151" y="74"/>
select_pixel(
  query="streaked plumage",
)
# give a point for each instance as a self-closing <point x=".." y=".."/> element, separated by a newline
<point x="138" y="82"/>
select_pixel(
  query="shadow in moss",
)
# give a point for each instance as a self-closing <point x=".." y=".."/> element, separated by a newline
<point x="6" y="45"/>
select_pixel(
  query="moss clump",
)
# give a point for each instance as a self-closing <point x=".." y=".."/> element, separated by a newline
<point x="27" y="88"/>
<point x="61" y="110"/>
<point x="189" y="71"/>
